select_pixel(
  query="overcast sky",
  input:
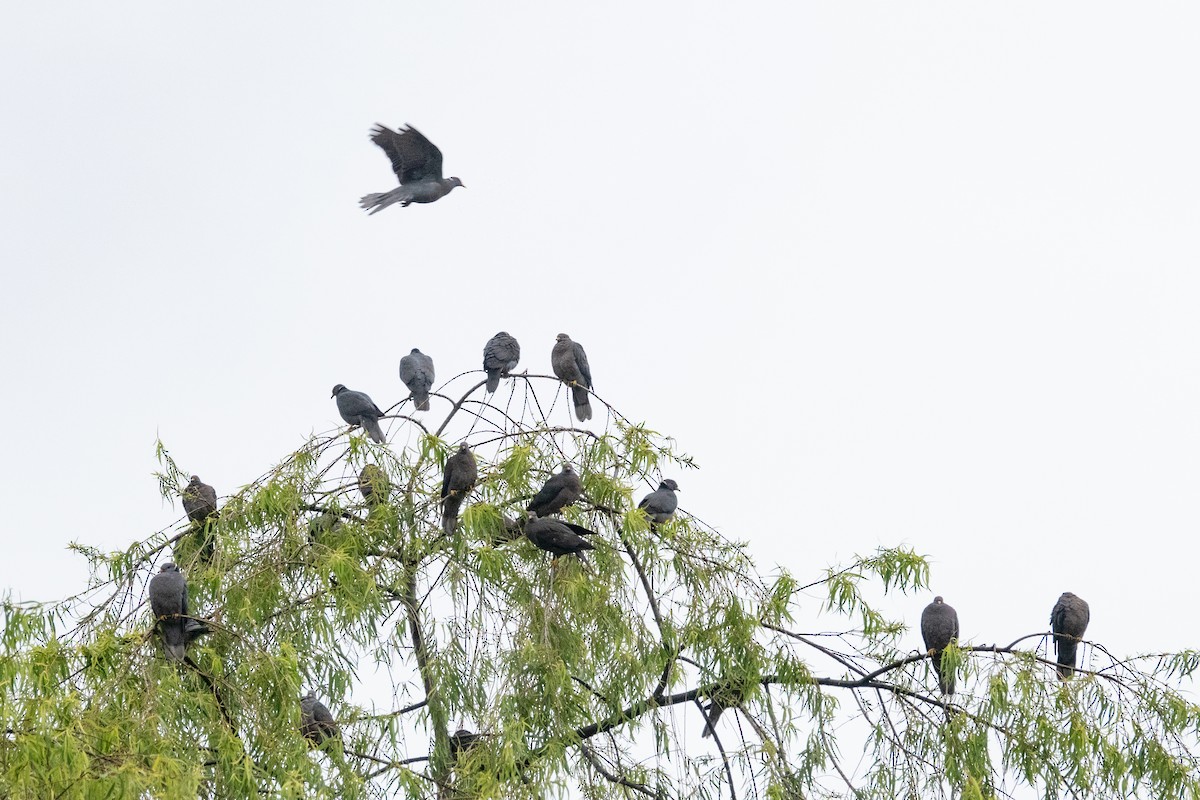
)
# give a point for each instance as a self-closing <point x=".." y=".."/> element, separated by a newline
<point x="918" y="274"/>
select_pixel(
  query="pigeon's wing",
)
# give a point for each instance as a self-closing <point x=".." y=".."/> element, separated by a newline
<point x="413" y="157"/>
<point x="183" y="598"/>
<point x="549" y="491"/>
<point x="582" y="362"/>
<point x="578" y="529"/>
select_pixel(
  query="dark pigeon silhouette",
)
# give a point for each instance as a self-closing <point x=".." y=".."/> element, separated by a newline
<point x="416" y="370"/>
<point x="559" y="491"/>
<point x="200" y="503"/>
<point x="500" y="357"/>
<point x="316" y="723"/>
<point x="418" y="165"/>
<point x="660" y="504"/>
<point x="939" y="625"/>
<point x="1069" y="621"/>
<point x="557" y="537"/>
<point x="723" y="697"/>
<point x="169" y="604"/>
<point x="374" y="485"/>
<point x="463" y="740"/>
<point x="357" y="408"/>
<point x="458" y="479"/>
<point x="570" y="364"/>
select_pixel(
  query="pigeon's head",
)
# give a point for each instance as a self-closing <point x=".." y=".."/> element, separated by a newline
<point x="938" y="600"/>
<point x="416" y="351"/>
<point x="338" y="390"/>
<point x="311" y="696"/>
<point x="452" y="182"/>
<point x="463" y="447"/>
<point x="669" y="484"/>
<point x="168" y="567"/>
<point x="195" y="480"/>
<point x="568" y="469"/>
<point x="562" y="337"/>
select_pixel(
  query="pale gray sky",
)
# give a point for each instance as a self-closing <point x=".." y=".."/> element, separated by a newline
<point x="928" y="271"/>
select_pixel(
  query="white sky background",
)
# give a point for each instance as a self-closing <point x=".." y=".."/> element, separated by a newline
<point x="892" y="273"/>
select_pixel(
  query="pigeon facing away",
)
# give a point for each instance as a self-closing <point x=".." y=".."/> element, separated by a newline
<point x="316" y="723"/>
<point x="561" y="490"/>
<point x="570" y="364"/>
<point x="1069" y="621"/>
<point x="374" y="485"/>
<point x="457" y="481"/>
<point x="463" y="740"/>
<point x="416" y="370"/>
<point x="939" y="624"/>
<point x="169" y="604"/>
<point x="660" y="504"/>
<point x="417" y="163"/>
<point x="357" y="408"/>
<point x="500" y="357"/>
<point x="557" y="537"/>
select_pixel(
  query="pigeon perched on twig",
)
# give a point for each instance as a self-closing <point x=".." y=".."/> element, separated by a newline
<point x="557" y="537"/>
<point x="316" y="723"/>
<point x="357" y="408"/>
<point x="374" y="485"/>
<point x="722" y="697"/>
<point x="500" y="357"/>
<point x="939" y="625"/>
<point x="200" y="503"/>
<point x="570" y="364"/>
<point x="169" y="604"/>
<point x="457" y="481"/>
<point x="463" y="740"/>
<point x="416" y="370"/>
<point x="562" y="489"/>
<point x="418" y="165"/>
<point x="1069" y="621"/>
<point x="660" y="504"/>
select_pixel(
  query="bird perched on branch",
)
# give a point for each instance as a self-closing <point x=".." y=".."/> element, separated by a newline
<point x="1069" y="620"/>
<point x="200" y="504"/>
<point x="558" y="537"/>
<point x="500" y="357"/>
<point x="357" y="408"/>
<point x="169" y="604"/>
<point x="316" y="723"/>
<point x="458" y="479"/>
<point x="570" y="364"/>
<point x="939" y="625"/>
<point x="417" y="163"/>
<point x="723" y="696"/>
<point x="660" y="504"/>
<point x="463" y="740"/>
<point x="562" y="489"/>
<point x="416" y="370"/>
<point x="374" y="485"/>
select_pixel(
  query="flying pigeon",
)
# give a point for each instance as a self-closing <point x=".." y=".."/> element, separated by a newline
<point x="169" y="604"/>
<point x="557" y="537"/>
<point x="562" y="489"/>
<point x="416" y="370"/>
<point x="660" y="504"/>
<point x="500" y="357"/>
<point x="463" y="740"/>
<point x="418" y="165"/>
<point x="1069" y="621"/>
<point x="374" y="485"/>
<point x="571" y="366"/>
<point x="316" y="723"/>
<point x="357" y="408"/>
<point x="457" y="481"/>
<point x="939" y="624"/>
<point x="200" y="503"/>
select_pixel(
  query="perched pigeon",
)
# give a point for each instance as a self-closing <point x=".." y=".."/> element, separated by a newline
<point x="1069" y="621"/>
<point x="557" y="537"/>
<point x="722" y="698"/>
<point x="660" y="504"/>
<point x="416" y="370"/>
<point x="457" y="481"/>
<point x="939" y="625"/>
<point x="561" y="490"/>
<point x="200" y="503"/>
<point x="463" y="740"/>
<point x="500" y="357"/>
<point x="418" y="165"/>
<point x="169" y="604"/>
<point x="320" y="527"/>
<point x="374" y="485"/>
<point x="359" y="409"/>
<point x="316" y="723"/>
<point x="571" y="366"/>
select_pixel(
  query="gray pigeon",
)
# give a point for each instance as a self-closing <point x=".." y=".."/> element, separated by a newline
<point x="722" y="697"/>
<point x="560" y="490"/>
<point x="200" y="503"/>
<point x="418" y="165"/>
<point x="357" y="408"/>
<point x="500" y="357"/>
<point x="939" y="625"/>
<point x="169" y="604"/>
<point x="374" y="485"/>
<point x="463" y="740"/>
<point x="457" y="481"/>
<point x="316" y="723"/>
<point x="557" y="537"/>
<point x="416" y="370"/>
<point x="570" y="364"/>
<point x="1069" y="621"/>
<point x="660" y="504"/>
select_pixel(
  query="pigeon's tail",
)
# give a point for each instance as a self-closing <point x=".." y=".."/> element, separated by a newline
<point x="422" y="402"/>
<point x="714" y="714"/>
<point x="450" y="514"/>
<point x="174" y="639"/>
<point x="945" y="681"/>
<point x="493" y="382"/>
<point x="373" y="430"/>
<point x="378" y="201"/>
<point x="1066" y="658"/>
<point x="583" y="408"/>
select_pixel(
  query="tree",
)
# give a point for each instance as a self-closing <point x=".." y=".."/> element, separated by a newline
<point x="587" y="677"/>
